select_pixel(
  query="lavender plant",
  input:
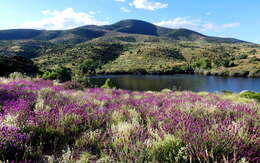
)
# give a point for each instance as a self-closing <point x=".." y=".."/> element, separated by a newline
<point x="41" y="119"/>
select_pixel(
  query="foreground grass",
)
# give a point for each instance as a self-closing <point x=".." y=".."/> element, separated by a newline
<point x="41" y="120"/>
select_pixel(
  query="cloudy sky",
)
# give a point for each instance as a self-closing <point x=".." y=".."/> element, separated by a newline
<point x="224" y="18"/>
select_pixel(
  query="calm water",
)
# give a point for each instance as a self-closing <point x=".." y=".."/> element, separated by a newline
<point x="180" y="82"/>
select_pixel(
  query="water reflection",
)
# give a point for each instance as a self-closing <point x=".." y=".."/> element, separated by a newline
<point x="181" y="82"/>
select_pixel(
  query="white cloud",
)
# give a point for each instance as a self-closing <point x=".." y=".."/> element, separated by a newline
<point x="120" y="0"/>
<point x="231" y="25"/>
<point x="65" y="19"/>
<point x="148" y="5"/>
<point x="195" y="24"/>
<point x="184" y="22"/>
<point x="92" y="12"/>
<point x="125" y="10"/>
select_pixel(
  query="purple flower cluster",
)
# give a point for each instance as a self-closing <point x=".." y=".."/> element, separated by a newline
<point x="12" y="142"/>
<point x="46" y="117"/>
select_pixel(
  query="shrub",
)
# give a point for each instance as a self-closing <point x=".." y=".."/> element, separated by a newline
<point x="241" y="56"/>
<point x="207" y="73"/>
<point x="47" y="138"/>
<point x="203" y="63"/>
<point x="253" y="52"/>
<point x="85" y="81"/>
<point x="50" y="75"/>
<point x="222" y="62"/>
<point x="12" y="142"/>
<point x="254" y="59"/>
<point x="90" y="140"/>
<point x="221" y="73"/>
<point x="16" y="64"/>
<point x="251" y="95"/>
<point x="84" y="157"/>
<point x="79" y="77"/>
<point x="67" y="156"/>
<point x="108" y="84"/>
<point x="60" y="73"/>
<point x="139" y="71"/>
<point x="170" y="149"/>
<point x="239" y="74"/>
<point x="227" y="92"/>
<point x="73" y="85"/>
<point x="231" y="64"/>
<point x="89" y="66"/>
<point x="254" y="73"/>
<point x="17" y="75"/>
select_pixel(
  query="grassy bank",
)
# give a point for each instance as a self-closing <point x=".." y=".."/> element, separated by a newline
<point x="43" y="120"/>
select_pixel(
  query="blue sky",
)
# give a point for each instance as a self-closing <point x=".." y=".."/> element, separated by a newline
<point x="225" y="18"/>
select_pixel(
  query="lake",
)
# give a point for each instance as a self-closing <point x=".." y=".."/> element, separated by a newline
<point x="180" y="82"/>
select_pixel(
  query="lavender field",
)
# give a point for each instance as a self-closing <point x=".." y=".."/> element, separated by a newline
<point x="43" y="121"/>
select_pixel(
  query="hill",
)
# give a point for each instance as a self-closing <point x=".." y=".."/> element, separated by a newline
<point x="156" y="58"/>
<point x="86" y="33"/>
<point x="132" y="46"/>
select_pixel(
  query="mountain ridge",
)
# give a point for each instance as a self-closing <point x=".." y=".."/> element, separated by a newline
<point x="128" y="26"/>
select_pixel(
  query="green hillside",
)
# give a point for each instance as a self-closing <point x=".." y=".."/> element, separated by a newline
<point x="157" y="58"/>
<point x="132" y="46"/>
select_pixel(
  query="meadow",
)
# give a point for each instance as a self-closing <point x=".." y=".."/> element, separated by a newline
<point x="42" y="120"/>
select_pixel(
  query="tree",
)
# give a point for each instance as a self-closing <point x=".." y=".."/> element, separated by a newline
<point x="88" y="66"/>
<point x="253" y="52"/>
<point x="61" y="73"/>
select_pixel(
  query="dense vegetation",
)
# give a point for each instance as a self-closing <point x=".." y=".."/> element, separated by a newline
<point x="42" y="120"/>
<point x="16" y="64"/>
<point x="133" y="47"/>
<point x="157" y="58"/>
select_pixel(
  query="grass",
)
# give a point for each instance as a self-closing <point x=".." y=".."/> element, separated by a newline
<point x="42" y="120"/>
<point x="111" y="56"/>
<point x="158" y="58"/>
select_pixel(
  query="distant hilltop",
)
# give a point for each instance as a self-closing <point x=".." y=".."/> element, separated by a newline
<point x="89" y="32"/>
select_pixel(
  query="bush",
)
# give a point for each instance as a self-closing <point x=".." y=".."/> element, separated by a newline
<point x="222" y="62"/>
<point x="89" y="66"/>
<point x="227" y="92"/>
<point x="73" y="85"/>
<point x="203" y="63"/>
<point x="48" y="138"/>
<point x="168" y="150"/>
<point x="239" y="74"/>
<point x="253" y="52"/>
<point x="81" y="79"/>
<point x="254" y="73"/>
<point x="251" y="95"/>
<point x="108" y="84"/>
<point x="17" y="75"/>
<point x="241" y="56"/>
<point x="231" y="64"/>
<point x="16" y="64"/>
<point x="223" y="73"/>
<point x="50" y="75"/>
<point x="254" y="59"/>
<point x="61" y="73"/>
